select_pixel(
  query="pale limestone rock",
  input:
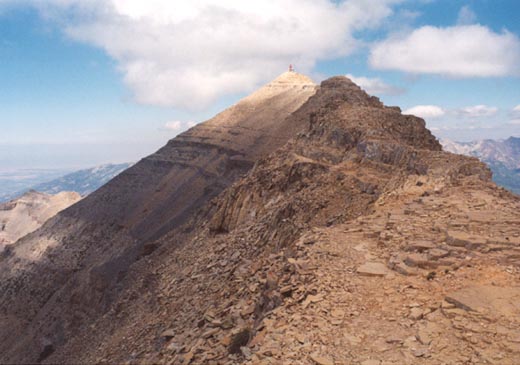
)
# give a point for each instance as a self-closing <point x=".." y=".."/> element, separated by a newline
<point x="373" y="269"/>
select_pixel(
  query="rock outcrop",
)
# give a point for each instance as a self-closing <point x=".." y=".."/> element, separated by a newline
<point x="346" y="237"/>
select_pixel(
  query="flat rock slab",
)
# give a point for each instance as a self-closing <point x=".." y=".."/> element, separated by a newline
<point x="373" y="269"/>
<point x="463" y="239"/>
<point x="483" y="216"/>
<point x="371" y="362"/>
<point x="322" y="360"/>
<point x="420" y="246"/>
<point x="487" y="299"/>
<point x="437" y="253"/>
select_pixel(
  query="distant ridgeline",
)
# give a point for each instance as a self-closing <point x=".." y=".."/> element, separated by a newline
<point x="83" y="181"/>
<point x="502" y="156"/>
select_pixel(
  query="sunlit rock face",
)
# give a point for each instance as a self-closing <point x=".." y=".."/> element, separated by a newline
<point x="27" y="213"/>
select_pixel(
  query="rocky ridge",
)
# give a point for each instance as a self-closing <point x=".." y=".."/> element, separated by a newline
<point x="358" y="241"/>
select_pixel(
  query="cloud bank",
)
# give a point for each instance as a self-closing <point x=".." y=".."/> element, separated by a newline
<point x="178" y="125"/>
<point x="375" y="86"/>
<point x="188" y="53"/>
<point x="470" y="112"/>
<point x="426" y="111"/>
<point x="477" y="111"/>
<point x="466" y="16"/>
<point x="515" y="114"/>
<point x="458" y="51"/>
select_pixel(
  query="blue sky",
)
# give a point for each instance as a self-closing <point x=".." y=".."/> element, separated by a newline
<point x="91" y="81"/>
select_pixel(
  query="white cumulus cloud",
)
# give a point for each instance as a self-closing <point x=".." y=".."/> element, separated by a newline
<point x="426" y="111"/>
<point x="375" y="86"/>
<point x="458" y="51"/>
<point x="178" y="125"/>
<point x="515" y="113"/>
<point x="187" y="53"/>
<point x="477" y="111"/>
<point x="173" y="125"/>
<point x="466" y="16"/>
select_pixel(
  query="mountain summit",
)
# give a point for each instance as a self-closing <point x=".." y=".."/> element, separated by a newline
<point x="305" y="224"/>
<point x="291" y="79"/>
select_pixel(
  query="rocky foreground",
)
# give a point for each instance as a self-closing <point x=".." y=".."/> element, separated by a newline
<point x="355" y="241"/>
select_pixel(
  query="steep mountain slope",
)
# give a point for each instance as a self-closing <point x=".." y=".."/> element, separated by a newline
<point x="357" y="241"/>
<point x="86" y="250"/>
<point x="27" y="213"/>
<point x="502" y="156"/>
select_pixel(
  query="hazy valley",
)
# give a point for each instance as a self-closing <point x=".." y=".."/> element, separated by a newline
<point x="83" y="182"/>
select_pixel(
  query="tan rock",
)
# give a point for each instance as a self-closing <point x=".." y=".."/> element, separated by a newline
<point x="416" y="313"/>
<point x="209" y="333"/>
<point x="371" y="362"/>
<point x="487" y="298"/>
<point x="373" y="269"/>
<point x="321" y="360"/>
<point x="169" y="333"/>
<point x="226" y="340"/>
<point x="337" y="313"/>
<point x="187" y="357"/>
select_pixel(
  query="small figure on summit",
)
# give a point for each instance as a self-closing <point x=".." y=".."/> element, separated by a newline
<point x="291" y="68"/>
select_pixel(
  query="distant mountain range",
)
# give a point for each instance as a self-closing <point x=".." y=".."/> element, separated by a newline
<point x="15" y="182"/>
<point x="83" y="181"/>
<point x="502" y="156"/>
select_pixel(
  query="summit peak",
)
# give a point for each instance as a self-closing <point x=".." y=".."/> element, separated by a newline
<point x="293" y="78"/>
<point x="289" y="81"/>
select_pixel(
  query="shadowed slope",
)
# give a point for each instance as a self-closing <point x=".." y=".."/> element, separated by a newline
<point x="162" y="190"/>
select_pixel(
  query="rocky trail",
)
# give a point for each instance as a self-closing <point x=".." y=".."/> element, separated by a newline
<point x="390" y="287"/>
<point x="444" y="303"/>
